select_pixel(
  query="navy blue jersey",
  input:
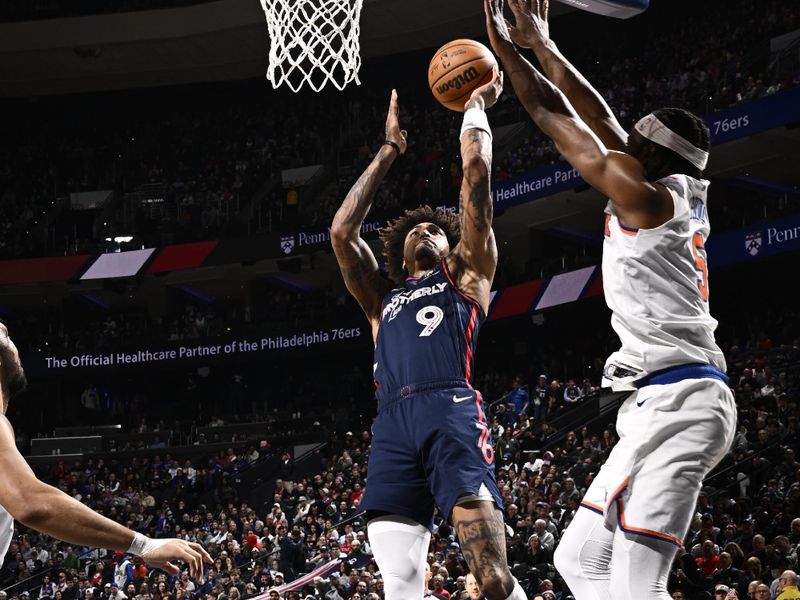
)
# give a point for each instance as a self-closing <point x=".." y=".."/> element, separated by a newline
<point x="427" y="335"/>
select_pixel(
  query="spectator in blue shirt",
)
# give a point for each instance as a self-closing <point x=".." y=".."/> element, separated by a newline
<point x="519" y="395"/>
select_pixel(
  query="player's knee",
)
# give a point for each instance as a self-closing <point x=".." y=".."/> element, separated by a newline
<point x="497" y="584"/>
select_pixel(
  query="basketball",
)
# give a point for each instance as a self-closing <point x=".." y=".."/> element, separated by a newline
<point x="456" y="69"/>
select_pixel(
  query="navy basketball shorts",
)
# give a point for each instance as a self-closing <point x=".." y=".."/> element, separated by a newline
<point x="429" y="448"/>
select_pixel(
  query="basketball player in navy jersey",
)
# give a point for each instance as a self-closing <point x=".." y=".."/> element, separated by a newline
<point x="431" y="443"/>
<point x="679" y="419"/>
<point x="47" y="509"/>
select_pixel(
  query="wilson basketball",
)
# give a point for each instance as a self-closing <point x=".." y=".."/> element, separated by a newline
<point x="456" y="69"/>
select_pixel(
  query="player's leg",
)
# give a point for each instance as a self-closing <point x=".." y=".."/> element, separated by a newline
<point x="640" y="567"/>
<point x="482" y="536"/>
<point x="583" y="556"/>
<point x="691" y="427"/>
<point x="398" y="502"/>
<point x="459" y="461"/>
<point x="400" y="547"/>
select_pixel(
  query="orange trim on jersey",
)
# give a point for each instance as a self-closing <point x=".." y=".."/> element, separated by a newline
<point x="646" y="532"/>
<point x="627" y="230"/>
<point x="593" y="507"/>
<point x="606" y="229"/>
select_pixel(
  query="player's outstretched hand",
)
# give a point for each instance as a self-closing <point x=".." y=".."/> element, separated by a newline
<point x="164" y="554"/>
<point x="531" y="23"/>
<point x="496" y="25"/>
<point x="393" y="131"/>
<point x="487" y="94"/>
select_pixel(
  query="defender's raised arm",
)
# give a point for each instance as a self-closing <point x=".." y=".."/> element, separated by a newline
<point x="531" y="29"/>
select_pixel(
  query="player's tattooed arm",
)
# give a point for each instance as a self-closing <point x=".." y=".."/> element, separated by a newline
<point x="356" y="260"/>
<point x="474" y="260"/>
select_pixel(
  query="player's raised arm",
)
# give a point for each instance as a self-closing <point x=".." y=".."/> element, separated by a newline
<point x="356" y="260"/>
<point x="617" y="175"/>
<point x="531" y="29"/>
<point x="477" y="249"/>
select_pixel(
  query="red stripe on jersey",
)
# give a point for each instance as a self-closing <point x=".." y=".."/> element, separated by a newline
<point x="473" y="317"/>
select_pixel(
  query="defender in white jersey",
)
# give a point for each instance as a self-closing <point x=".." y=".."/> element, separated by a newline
<point x="679" y="419"/>
<point x="47" y="509"/>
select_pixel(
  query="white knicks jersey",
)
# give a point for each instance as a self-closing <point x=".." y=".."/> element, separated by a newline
<point x="656" y="285"/>
<point x="6" y="532"/>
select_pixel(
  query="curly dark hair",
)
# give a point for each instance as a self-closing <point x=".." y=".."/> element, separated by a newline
<point x="394" y="235"/>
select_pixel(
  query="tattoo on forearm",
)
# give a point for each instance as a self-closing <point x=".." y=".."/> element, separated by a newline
<point x="481" y="202"/>
<point x="480" y="197"/>
<point x="483" y="546"/>
<point x="356" y="205"/>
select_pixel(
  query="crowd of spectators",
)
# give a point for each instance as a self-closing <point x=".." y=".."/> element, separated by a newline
<point x="744" y="536"/>
<point x="215" y="164"/>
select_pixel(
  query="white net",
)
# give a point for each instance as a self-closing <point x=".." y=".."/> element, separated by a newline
<point x="313" y="42"/>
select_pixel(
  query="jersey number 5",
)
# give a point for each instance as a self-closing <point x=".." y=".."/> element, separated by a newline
<point x="699" y="252"/>
<point x="431" y="317"/>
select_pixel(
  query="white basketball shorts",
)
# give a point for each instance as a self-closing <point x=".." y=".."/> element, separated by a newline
<point x="670" y="437"/>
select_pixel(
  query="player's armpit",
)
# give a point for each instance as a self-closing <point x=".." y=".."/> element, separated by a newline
<point x="619" y="176"/>
<point x="640" y="203"/>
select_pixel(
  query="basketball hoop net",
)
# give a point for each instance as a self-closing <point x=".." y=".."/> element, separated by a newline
<point x="313" y="42"/>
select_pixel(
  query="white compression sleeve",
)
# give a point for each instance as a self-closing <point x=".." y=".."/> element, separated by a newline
<point x="400" y="546"/>
<point x="583" y="557"/>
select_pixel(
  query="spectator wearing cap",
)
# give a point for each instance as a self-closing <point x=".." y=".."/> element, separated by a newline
<point x="721" y="591"/>
<point x="114" y="593"/>
<point x="788" y="586"/>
